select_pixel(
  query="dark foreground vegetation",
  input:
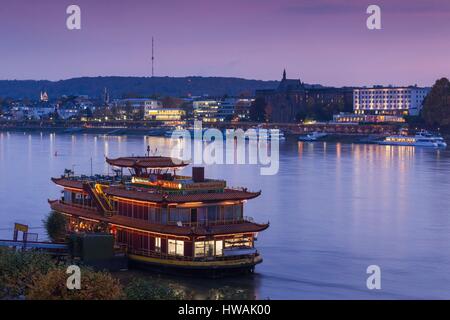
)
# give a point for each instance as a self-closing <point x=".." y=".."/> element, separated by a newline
<point x="35" y="275"/>
<point x="32" y="275"/>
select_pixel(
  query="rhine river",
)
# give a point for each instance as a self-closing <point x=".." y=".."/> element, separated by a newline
<point x="334" y="209"/>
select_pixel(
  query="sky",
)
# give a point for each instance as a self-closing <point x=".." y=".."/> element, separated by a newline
<point x="318" y="41"/>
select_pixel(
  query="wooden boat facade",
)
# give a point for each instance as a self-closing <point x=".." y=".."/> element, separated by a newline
<point x="162" y="219"/>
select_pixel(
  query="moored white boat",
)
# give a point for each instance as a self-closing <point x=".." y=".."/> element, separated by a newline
<point x="268" y="133"/>
<point x="436" y="137"/>
<point x="420" y="139"/>
<point x="313" y="136"/>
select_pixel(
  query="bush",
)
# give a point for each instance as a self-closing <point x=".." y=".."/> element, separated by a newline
<point x="140" y="289"/>
<point x="18" y="268"/>
<point x="94" y="286"/>
<point x="55" y="224"/>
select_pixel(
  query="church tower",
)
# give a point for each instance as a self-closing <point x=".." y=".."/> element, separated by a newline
<point x="44" y="96"/>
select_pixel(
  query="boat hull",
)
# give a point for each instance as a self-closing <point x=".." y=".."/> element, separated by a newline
<point x="425" y="145"/>
<point x="213" y="269"/>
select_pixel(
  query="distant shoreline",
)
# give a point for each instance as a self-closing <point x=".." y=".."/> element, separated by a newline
<point x="141" y="132"/>
<point x="77" y="130"/>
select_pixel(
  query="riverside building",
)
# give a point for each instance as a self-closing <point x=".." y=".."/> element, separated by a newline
<point x="396" y="101"/>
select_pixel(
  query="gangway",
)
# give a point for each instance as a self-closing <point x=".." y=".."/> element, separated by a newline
<point x="98" y="196"/>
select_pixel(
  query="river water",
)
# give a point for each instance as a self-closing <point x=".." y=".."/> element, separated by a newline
<point x="334" y="209"/>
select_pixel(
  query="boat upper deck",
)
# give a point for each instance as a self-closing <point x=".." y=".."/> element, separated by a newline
<point x="147" y="162"/>
<point x="243" y="226"/>
<point x="157" y="200"/>
<point x="114" y="187"/>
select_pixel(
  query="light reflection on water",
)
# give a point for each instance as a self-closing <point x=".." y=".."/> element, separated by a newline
<point x="334" y="209"/>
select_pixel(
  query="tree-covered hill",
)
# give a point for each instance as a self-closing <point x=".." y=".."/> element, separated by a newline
<point x="134" y="86"/>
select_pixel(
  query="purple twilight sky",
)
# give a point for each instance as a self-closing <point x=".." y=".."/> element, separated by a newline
<point x="319" y="41"/>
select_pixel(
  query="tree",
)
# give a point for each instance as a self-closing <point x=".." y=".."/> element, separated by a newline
<point x="55" y="224"/>
<point x="139" y="114"/>
<point x="436" y="108"/>
<point x="188" y="108"/>
<point x="171" y="102"/>
<point x="129" y="110"/>
<point x="94" y="286"/>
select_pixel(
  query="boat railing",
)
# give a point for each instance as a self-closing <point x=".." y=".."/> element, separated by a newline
<point x="159" y="255"/>
<point x="105" y="179"/>
<point x="78" y="205"/>
<point x="245" y="219"/>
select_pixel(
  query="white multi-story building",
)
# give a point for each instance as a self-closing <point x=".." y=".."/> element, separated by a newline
<point x="136" y="103"/>
<point x="389" y="100"/>
<point x="206" y="110"/>
<point x="222" y="110"/>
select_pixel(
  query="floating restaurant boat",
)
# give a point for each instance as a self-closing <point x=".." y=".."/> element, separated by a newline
<point x="164" y="220"/>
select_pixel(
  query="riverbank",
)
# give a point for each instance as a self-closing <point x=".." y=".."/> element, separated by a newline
<point x="34" y="275"/>
<point x="146" y="127"/>
<point x="142" y="132"/>
<point x="78" y="130"/>
<point x="336" y="132"/>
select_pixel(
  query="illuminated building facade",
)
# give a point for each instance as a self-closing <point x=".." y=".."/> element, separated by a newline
<point x="206" y="110"/>
<point x="367" y="118"/>
<point x="164" y="114"/>
<point x="400" y="101"/>
<point x="137" y="103"/>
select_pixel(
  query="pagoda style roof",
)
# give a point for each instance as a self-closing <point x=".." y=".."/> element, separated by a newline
<point x="146" y="162"/>
<point x="227" y="194"/>
<point x="68" y="183"/>
<point x="159" y="228"/>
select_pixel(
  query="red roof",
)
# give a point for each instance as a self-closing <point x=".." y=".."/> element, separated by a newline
<point x="146" y="162"/>
<point x="159" y="228"/>
<point x="68" y="183"/>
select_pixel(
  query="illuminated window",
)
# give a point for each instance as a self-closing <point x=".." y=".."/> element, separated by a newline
<point x="207" y="248"/>
<point x="199" y="250"/>
<point x="176" y="247"/>
<point x="158" y="244"/>
<point x="219" y="248"/>
<point x="239" y="242"/>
